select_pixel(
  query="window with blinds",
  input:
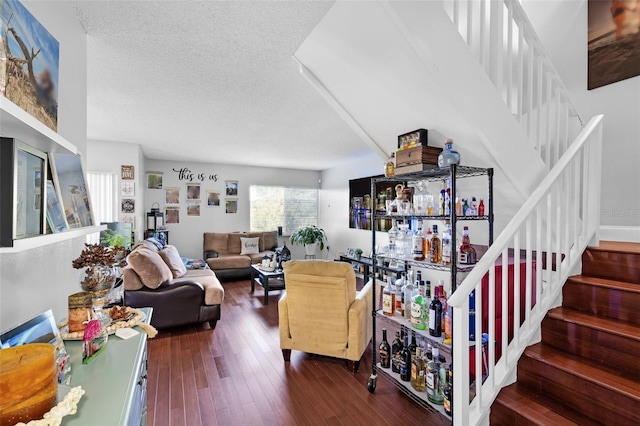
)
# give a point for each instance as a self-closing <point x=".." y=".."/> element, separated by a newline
<point x="291" y="208"/>
<point x="103" y="187"/>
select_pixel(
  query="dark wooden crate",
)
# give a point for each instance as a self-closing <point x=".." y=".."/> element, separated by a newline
<point x="418" y="155"/>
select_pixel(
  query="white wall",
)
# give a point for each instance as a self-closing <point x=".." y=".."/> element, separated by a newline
<point x="36" y="280"/>
<point x="108" y="157"/>
<point x="619" y="102"/>
<point x="187" y="235"/>
<point x="334" y="204"/>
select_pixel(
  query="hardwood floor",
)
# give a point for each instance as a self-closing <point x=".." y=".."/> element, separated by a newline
<point x="236" y="375"/>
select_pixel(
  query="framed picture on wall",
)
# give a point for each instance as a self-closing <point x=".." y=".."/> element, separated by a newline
<point x="154" y="180"/>
<point x="231" y="205"/>
<point x="127" y="188"/>
<point x="193" y="208"/>
<point x="172" y="215"/>
<point x="127" y="172"/>
<point x="128" y="205"/>
<point x="69" y="179"/>
<point x="231" y="188"/>
<point x="213" y="199"/>
<point x="172" y="195"/>
<point x="193" y="191"/>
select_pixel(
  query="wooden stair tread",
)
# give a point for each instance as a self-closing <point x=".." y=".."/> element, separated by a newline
<point x="586" y="370"/>
<point x="607" y="325"/>
<point x="519" y="401"/>
<point x="617" y="246"/>
<point x="605" y="283"/>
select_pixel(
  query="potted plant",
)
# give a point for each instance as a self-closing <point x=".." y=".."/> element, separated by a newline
<point x="358" y="253"/>
<point x="310" y="236"/>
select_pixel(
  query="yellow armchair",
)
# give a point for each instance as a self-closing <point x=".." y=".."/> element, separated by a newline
<point x="321" y="313"/>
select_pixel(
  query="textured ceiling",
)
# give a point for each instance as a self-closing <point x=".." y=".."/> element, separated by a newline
<point x="210" y="81"/>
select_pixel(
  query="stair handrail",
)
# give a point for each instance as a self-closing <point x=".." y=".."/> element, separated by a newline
<point x="521" y="70"/>
<point x="565" y="211"/>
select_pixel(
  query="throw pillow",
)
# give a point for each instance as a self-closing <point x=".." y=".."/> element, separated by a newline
<point x="150" y="267"/>
<point x="250" y="245"/>
<point x="173" y="260"/>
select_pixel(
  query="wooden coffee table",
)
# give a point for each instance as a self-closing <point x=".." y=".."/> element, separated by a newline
<point x="268" y="280"/>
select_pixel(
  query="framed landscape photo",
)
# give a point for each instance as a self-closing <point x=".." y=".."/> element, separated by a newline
<point x="154" y="180"/>
<point x="69" y="179"/>
<point x="30" y="63"/>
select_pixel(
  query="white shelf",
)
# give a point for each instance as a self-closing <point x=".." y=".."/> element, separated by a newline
<point x="43" y="240"/>
<point x="19" y="124"/>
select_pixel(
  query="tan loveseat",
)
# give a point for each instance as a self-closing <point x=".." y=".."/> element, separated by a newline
<point x="231" y="254"/>
<point x="159" y="279"/>
<point x="321" y="313"/>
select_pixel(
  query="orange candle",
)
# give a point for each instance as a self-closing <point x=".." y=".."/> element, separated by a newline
<point x="28" y="382"/>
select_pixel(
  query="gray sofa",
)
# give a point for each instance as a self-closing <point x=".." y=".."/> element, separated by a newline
<point x="223" y="252"/>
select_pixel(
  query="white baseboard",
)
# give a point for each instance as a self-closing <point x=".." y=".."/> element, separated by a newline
<point x="620" y="233"/>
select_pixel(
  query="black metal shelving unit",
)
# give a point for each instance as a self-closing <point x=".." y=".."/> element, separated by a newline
<point x="453" y="173"/>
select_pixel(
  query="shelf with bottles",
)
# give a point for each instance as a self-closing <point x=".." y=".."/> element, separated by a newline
<point x="424" y="217"/>
<point x="418" y="397"/>
<point x="402" y="322"/>
<point x="426" y="265"/>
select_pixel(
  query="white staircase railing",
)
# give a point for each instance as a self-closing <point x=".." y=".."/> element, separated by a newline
<point x="506" y="45"/>
<point x="547" y="237"/>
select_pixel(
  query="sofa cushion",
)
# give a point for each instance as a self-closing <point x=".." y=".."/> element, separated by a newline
<point x="250" y="245"/>
<point x="260" y="239"/>
<point x="229" y="262"/>
<point x="172" y="258"/>
<point x="234" y="246"/>
<point x="270" y="240"/>
<point x="130" y="279"/>
<point x="216" y="241"/>
<point x="150" y="267"/>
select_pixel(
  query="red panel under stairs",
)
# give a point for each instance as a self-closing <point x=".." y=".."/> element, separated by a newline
<point x="586" y="370"/>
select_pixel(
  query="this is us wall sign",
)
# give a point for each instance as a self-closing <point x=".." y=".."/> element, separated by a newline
<point x="185" y="173"/>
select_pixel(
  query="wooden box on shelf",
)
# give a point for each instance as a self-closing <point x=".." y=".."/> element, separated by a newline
<point x="418" y="155"/>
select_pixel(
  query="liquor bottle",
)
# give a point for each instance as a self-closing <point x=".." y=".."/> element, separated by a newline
<point x="441" y="201"/>
<point x="413" y="345"/>
<point x="458" y="206"/>
<point x="448" y="393"/>
<point x="433" y="377"/>
<point x="390" y="166"/>
<point x="418" y="243"/>
<point x="418" y="303"/>
<point x="446" y="244"/>
<point x="426" y="243"/>
<point x="448" y="325"/>
<point x="447" y="202"/>
<point x="448" y="156"/>
<point x="481" y="208"/>
<point x="393" y="235"/>
<point x="388" y="300"/>
<point x="384" y="351"/>
<point x="417" y="371"/>
<point x="405" y="361"/>
<point x="399" y="289"/>
<point x="467" y="254"/>
<point x="465" y="206"/>
<point x="435" y="254"/>
<point x="410" y="290"/>
<point x="435" y="315"/>
<point x="396" y="348"/>
<point x="443" y="301"/>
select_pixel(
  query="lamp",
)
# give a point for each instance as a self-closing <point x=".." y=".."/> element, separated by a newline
<point x="155" y="218"/>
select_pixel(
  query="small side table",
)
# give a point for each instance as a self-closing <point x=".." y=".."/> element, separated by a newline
<point x="268" y="280"/>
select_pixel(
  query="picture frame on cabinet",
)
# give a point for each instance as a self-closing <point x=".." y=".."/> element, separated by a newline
<point x="70" y="180"/>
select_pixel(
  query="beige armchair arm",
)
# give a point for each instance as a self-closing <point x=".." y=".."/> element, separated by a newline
<point x="283" y="314"/>
<point x="360" y="327"/>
